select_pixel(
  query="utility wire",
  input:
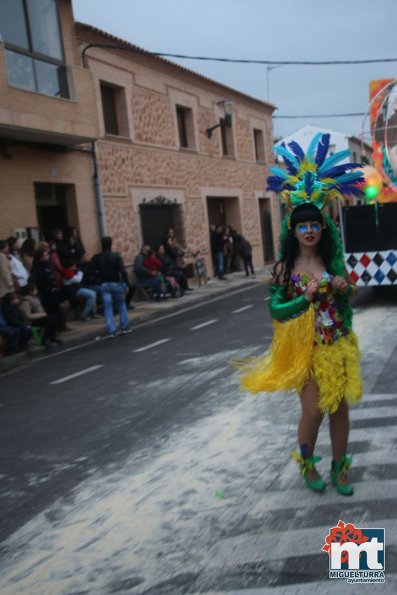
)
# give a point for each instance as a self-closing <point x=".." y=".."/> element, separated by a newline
<point x="320" y="116"/>
<point x="240" y="60"/>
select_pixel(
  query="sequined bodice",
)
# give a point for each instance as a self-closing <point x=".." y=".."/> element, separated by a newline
<point x="328" y="317"/>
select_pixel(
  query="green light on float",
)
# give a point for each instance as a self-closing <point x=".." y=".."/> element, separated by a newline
<point x="371" y="192"/>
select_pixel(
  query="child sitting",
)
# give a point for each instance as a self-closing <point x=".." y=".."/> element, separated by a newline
<point x="33" y="309"/>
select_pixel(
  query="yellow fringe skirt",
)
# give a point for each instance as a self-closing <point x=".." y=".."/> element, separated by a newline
<point x="293" y="359"/>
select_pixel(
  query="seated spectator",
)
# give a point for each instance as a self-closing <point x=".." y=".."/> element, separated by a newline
<point x="10" y="335"/>
<point x="145" y="277"/>
<point x="28" y="250"/>
<point x="170" y="269"/>
<point x="153" y="264"/>
<point x="35" y="314"/>
<point x="6" y="283"/>
<point x="14" y="316"/>
<point x="74" y="288"/>
<point x="19" y="274"/>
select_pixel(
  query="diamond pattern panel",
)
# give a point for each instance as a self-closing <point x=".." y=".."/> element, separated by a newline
<point x="373" y="268"/>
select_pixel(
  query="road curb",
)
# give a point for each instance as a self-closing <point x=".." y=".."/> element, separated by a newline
<point x="21" y="359"/>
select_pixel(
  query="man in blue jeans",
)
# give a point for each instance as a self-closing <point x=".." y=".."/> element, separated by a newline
<point x="113" y="278"/>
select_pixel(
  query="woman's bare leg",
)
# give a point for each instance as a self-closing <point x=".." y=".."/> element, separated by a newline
<point x="310" y="421"/>
<point x="339" y="432"/>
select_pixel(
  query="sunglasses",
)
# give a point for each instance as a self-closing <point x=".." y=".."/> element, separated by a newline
<point x="304" y="227"/>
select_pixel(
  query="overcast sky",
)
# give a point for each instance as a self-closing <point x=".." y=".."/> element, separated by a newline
<point x="268" y="30"/>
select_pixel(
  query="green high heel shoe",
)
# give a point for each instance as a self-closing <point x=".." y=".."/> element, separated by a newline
<point x="339" y="470"/>
<point x="307" y="464"/>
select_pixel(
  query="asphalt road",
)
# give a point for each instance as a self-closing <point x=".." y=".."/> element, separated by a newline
<point x="136" y="464"/>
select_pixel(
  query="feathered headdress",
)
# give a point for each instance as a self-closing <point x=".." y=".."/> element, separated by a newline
<point x="314" y="178"/>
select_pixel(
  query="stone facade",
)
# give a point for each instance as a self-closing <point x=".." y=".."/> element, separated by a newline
<point x="40" y="167"/>
<point x="146" y="159"/>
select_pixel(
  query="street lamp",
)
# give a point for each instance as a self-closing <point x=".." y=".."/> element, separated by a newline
<point x="268" y="69"/>
<point x="228" y="106"/>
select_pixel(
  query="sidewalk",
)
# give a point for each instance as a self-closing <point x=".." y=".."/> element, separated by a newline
<point x="83" y="332"/>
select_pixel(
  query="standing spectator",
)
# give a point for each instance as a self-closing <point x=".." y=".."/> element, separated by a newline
<point x="62" y="247"/>
<point x="57" y="266"/>
<point x="75" y="244"/>
<point x="6" y="284"/>
<point x="50" y="292"/>
<point x="229" y="249"/>
<point x="28" y="250"/>
<point x="177" y="252"/>
<point x="15" y="317"/>
<point x="245" y="251"/>
<point x="19" y="274"/>
<point x="145" y="277"/>
<point x="218" y="248"/>
<point x="113" y="277"/>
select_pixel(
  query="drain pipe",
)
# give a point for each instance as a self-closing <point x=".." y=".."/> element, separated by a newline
<point x="98" y="193"/>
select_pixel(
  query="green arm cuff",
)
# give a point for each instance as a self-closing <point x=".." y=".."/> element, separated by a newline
<point x="282" y="309"/>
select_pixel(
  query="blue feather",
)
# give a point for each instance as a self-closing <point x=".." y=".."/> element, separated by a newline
<point x="354" y="176"/>
<point x="331" y="161"/>
<point x="297" y="150"/>
<point x="276" y="184"/>
<point x="322" y="149"/>
<point x="286" y="155"/>
<point x="278" y="171"/>
<point x="339" y="169"/>
<point x="353" y="189"/>
<point x="308" y="182"/>
<point x="313" y="144"/>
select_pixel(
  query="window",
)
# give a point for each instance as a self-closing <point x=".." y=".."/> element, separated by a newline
<point x="114" y="109"/>
<point x="33" y="43"/>
<point x="259" y="145"/>
<point x="109" y="110"/>
<point x="184" y="117"/>
<point x="227" y="139"/>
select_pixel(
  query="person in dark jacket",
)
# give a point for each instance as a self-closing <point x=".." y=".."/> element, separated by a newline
<point x="218" y="240"/>
<point x="245" y="251"/>
<point x="10" y="335"/>
<point x="113" y="277"/>
<point x="50" y="294"/>
<point x="15" y="317"/>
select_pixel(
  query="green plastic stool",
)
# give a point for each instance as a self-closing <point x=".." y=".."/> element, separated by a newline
<point x="37" y="334"/>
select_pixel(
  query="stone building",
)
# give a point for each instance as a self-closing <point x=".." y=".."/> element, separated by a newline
<point x="62" y="95"/>
<point x="159" y="167"/>
<point x="47" y="112"/>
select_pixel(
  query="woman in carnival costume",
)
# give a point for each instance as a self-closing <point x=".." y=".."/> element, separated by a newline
<point x="314" y="349"/>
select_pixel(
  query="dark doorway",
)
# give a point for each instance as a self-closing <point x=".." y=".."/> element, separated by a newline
<point x="55" y="206"/>
<point x="216" y="211"/>
<point x="156" y="218"/>
<point x="267" y="229"/>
